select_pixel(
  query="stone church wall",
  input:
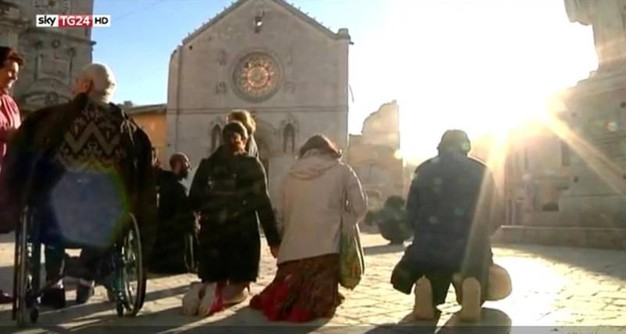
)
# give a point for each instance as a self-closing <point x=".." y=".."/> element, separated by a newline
<point x="291" y="72"/>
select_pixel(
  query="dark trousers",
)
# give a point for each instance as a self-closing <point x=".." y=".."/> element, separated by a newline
<point x="407" y="272"/>
<point x="58" y="264"/>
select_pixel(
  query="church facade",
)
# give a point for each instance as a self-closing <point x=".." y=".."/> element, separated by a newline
<point x="268" y="57"/>
<point x="54" y="56"/>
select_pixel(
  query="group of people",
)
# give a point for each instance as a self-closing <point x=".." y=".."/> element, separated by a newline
<point x="451" y="207"/>
<point x="227" y="201"/>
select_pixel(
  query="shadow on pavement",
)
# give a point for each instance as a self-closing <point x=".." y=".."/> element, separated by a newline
<point x="383" y="249"/>
<point x="50" y="318"/>
<point x="407" y="325"/>
<point x="244" y="320"/>
<point x="601" y="261"/>
<point x="493" y="322"/>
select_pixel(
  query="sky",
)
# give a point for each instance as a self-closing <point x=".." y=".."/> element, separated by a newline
<point x="477" y="65"/>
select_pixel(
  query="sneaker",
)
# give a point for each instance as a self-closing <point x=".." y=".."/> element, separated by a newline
<point x="470" y="300"/>
<point x="84" y="291"/>
<point x="53" y="297"/>
<point x="423" y="308"/>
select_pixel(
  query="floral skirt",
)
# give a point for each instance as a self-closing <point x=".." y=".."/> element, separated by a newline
<point x="302" y="291"/>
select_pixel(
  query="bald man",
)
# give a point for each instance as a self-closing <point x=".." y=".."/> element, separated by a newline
<point x="77" y="163"/>
<point x="175" y="232"/>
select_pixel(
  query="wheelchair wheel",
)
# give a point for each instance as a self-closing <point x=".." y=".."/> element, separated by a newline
<point x="132" y="271"/>
<point x="26" y="276"/>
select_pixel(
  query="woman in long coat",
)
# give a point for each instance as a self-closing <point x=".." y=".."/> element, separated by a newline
<point x="318" y="192"/>
<point x="229" y="192"/>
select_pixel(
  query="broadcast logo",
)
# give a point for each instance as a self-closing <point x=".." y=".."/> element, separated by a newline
<point x="72" y="21"/>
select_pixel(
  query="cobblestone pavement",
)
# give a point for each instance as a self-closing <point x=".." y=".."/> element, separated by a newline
<point x="552" y="287"/>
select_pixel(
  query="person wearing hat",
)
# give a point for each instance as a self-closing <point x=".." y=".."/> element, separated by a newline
<point x="453" y="209"/>
<point x="229" y="193"/>
<point x="175" y="219"/>
<point x="10" y="120"/>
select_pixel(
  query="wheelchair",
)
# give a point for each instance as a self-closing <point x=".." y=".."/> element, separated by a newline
<point x="125" y="263"/>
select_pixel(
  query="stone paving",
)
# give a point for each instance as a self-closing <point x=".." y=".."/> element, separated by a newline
<point x="555" y="290"/>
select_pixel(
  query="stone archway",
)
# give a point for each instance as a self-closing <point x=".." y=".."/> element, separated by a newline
<point x="265" y="143"/>
<point x="264" y="153"/>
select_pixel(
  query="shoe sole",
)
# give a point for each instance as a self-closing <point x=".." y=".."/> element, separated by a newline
<point x="191" y="300"/>
<point x="204" y="307"/>
<point x="237" y="299"/>
<point x="470" y="302"/>
<point x="423" y="309"/>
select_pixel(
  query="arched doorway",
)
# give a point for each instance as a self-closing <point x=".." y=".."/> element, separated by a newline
<point x="264" y="155"/>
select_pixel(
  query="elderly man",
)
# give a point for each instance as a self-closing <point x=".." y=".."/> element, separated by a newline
<point x="453" y="209"/>
<point x="69" y="159"/>
<point x="10" y="63"/>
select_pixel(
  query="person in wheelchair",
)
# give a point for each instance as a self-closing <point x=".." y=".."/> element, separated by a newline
<point x="82" y="168"/>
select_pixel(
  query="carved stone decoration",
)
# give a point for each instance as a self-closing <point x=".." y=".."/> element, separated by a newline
<point x="257" y="76"/>
<point x="45" y="92"/>
<point x="290" y="87"/>
<point x="608" y="21"/>
<point x="6" y="7"/>
<point x="289" y="139"/>
<point x="222" y="59"/>
<point x="52" y="98"/>
<point x="288" y="134"/>
<point x="56" y="43"/>
<point x="220" y="88"/>
<point x="215" y="134"/>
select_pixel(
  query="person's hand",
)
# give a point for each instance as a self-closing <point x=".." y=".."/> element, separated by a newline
<point x="274" y="251"/>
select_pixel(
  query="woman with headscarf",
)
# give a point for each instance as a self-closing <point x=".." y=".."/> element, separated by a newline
<point x="229" y="192"/>
<point x="318" y="193"/>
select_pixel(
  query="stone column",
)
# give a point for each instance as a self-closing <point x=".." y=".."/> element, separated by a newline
<point x="11" y="24"/>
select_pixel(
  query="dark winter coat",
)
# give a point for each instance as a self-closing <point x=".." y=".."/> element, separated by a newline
<point x="29" y="172"/>
<point x="453" y="209"/>
<point x="231" y="194"/>
<point x="175" y="225"/>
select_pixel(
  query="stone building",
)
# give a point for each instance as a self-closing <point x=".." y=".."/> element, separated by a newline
<point x="374" y="155"/>
<point x="151" y="118"/>
<point x="53" y="56"/>
<point x="269" y="57"/>
<point x="537" y="173"/>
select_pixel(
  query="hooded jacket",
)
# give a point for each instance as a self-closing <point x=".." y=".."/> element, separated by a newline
<point x="313" y="204"/>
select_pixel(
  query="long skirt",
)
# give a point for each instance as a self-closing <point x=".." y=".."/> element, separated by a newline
<point x="302" y="291"/>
